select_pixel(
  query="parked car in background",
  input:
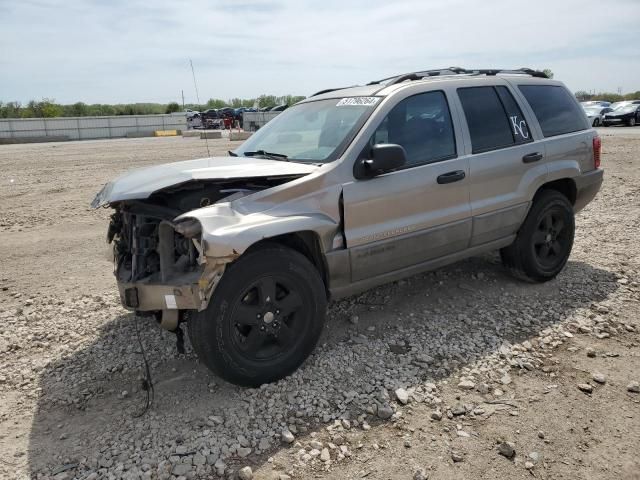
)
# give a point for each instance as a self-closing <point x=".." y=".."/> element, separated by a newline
<point x="349" y="189"/>
<point x="226" y="112"/>
<point x="194" y="121"/>
<point x="212" y="119"/>
<point x="628" y="114"/>
<point x="596" y="103"/>
<point x="190" y="113"/>
<point x="624" y="102"/>
<point x="595" y="114"/>
<point x="211" y="113"/>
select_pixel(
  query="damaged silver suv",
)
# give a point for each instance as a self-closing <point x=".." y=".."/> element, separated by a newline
<point x="349" y="189"/>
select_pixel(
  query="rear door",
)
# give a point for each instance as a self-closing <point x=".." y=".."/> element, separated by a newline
<point x="418" y="213"/>
<point x="504" y="164"/>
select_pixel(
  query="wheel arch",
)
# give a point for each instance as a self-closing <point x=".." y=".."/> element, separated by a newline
<point x="566" y="186"/>
<point x="306" y="242"/>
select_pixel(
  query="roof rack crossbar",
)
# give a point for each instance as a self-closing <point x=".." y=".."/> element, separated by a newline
<point x="458" y="71"/>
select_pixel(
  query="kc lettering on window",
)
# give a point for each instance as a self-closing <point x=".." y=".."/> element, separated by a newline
<point x="519" y="127"/>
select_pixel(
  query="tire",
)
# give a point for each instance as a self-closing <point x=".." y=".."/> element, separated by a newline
<point x="543" y="243"/>
<point x="264" y="319"/>
<point x="632" y="122"/>
<point x="596" y="122"/>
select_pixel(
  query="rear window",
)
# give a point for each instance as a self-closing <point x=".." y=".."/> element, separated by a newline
<point x="555" y="108"/>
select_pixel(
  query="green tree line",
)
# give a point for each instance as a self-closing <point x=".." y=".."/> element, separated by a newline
<point x="48" y="108"/>
<point x="607" y="96"/>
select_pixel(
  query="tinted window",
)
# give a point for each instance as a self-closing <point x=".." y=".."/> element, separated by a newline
<point x="422" y="125"/>
<point x="519" y="127"/>
<point x="486" y="117"/>
<point x="555" y="108"/>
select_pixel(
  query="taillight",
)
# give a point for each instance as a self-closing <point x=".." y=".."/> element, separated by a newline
<point x="597" y="150"/>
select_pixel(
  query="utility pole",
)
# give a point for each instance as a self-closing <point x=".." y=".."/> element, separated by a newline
<point x="182" y="91"/>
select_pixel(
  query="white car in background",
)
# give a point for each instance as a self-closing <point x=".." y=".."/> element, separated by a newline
<point x="596" y="103"/>
<point x="625" y="103"/>
<point x="595" y="114"/>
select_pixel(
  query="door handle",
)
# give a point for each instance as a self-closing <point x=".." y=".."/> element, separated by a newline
<point x="532" y="157"/>
<point x="451" y="177"/>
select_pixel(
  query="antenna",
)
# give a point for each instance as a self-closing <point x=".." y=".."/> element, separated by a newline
<point x="206" y="140"/>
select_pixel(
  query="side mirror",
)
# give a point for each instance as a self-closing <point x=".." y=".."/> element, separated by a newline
<point x="385" y="157"/>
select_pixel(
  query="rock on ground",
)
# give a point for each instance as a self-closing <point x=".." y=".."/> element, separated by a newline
<point x="245" y="473"/>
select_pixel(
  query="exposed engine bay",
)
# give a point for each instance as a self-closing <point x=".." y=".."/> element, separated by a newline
<point x="147" y="248"/>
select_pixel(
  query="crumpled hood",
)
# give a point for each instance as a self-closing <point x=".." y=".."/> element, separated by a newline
<point x="141" y="183"/>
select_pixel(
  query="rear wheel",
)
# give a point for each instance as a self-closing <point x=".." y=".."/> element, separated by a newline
<point x="596" y="122"/>
<point x="543" y="244"/>
<point x="264" y="319"/>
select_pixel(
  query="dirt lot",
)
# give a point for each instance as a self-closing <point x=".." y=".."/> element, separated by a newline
<point x="431" y="377"/>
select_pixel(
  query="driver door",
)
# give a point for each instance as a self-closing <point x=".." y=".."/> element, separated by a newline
<point x="416" y="214"/>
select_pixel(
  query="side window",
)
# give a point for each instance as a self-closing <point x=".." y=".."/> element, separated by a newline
<point x="489" y="126"/>
<point x="519" y="127"/>
<point x="556" y="110"/>
<point x="422" y="125"/>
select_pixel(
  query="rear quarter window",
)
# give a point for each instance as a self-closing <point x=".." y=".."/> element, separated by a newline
<point x="554" y="107"/>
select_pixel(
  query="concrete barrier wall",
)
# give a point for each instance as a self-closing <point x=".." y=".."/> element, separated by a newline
<point x="81" y="128"/>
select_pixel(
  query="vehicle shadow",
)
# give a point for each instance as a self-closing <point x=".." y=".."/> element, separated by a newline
<point x="406" y="333"/>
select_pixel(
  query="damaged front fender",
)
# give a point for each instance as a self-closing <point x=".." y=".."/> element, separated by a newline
<point x="225" y="236"/>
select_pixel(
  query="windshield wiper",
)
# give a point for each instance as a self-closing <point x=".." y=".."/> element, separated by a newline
<point x="232" y="154"/>
<point x="269" y="155"/>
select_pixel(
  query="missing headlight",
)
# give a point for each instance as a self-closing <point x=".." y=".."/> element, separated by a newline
<point x="189" y="228"/>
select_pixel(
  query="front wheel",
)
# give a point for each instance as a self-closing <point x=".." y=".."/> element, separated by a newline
<point x="544" y="241"/>
<point x="264" y="319"/>
<point x="632" y="122"/>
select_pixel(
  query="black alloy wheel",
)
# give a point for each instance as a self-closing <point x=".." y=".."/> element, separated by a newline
<point x="543" y="244"/>
<point x="268" y="318"/>
<point x="264" y="318"/>
<point x="551" y="241"/>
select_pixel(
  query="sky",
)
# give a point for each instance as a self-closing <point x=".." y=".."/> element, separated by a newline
<point x="121" y="51"/>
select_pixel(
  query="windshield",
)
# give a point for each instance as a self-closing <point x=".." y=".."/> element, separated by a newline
<point x="625" y="108"/>
<point x="593" y="110"/>
<point x="311" y="132"/>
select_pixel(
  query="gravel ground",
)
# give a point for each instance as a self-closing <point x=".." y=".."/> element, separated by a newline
<point x="459" y="373"/>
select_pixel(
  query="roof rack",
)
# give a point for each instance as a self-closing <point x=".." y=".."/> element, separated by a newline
<point x="327" y="90"/>
<point x="441" y="72"/>
<point x="456" y="71"/>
